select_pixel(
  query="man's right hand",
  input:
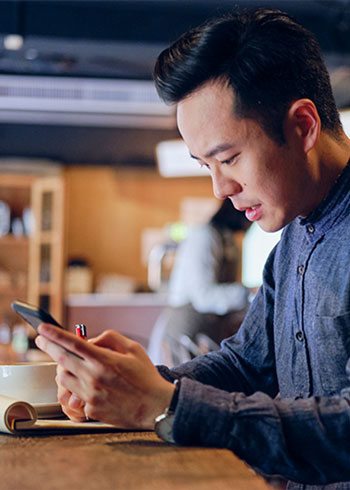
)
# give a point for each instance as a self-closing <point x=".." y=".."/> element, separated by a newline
<point x="112" y="377"/>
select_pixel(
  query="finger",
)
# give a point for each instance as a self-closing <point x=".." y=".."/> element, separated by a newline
<point x="69" y="361"/>
<point x="114" y="340"/>
<point x="63" y="395"/>
<point x="76" y="386"/>
<point x="75" y="401"/>
<point x="71" y="404"/>
<point x="68" y="340"/>
<point x="75" y="415"/>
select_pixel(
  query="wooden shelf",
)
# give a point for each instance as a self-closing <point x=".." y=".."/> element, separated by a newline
<point x="12" y="291"/>
<point x="12" y="240"/>
<point x="45" y="287"/>
<point x="46" y="237"/>
<point x="29" y="255"/>
<point x="16" y="181"/>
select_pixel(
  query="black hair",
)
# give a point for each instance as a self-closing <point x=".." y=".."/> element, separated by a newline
<point x="267" y="58"/>
<point x="227" y="217"/>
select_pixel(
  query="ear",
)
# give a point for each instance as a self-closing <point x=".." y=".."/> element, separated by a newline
<point x="303" y="121"/>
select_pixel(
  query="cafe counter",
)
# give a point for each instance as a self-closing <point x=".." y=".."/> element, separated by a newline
<point x="132" y="314"/>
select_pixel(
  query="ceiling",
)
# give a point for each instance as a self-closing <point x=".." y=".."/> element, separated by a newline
<point x="120" y="39"/>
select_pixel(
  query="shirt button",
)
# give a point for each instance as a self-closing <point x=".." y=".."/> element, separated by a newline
<point x="300" y="269"/>
<point x="299" y="336"/>
<point x="310" y="228"/>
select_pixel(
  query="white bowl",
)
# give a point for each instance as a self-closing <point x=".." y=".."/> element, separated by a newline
<point x="33" y="382"/>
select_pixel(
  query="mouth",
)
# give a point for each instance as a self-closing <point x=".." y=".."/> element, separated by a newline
<point x="252" y="213"/>
<point x="244" y="208"/>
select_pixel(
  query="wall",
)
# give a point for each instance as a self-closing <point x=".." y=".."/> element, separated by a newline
<point x="107" y="209"/>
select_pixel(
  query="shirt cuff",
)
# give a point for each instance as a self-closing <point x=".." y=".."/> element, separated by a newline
<point x="201" y="415"/>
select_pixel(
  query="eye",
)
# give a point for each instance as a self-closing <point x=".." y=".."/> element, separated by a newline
<point x="203" y="165"/>
<point x="230" y="160"/>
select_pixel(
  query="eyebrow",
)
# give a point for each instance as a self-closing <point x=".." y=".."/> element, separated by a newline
<point x="217" y="149"/>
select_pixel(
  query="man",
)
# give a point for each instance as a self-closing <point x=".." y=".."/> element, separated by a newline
<point x="255" y="106"/>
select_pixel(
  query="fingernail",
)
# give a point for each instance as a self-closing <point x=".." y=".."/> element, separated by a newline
<point x="38" y="341"/>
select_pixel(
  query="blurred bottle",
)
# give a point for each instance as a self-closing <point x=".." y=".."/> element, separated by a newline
<point x="79" y="277"/>
<point x="5" y="218"/>
<point x="7" y="355"/>
<point x="20" y="341"/>
<point x="17" y="227"/>
<point x="28" y="221"/>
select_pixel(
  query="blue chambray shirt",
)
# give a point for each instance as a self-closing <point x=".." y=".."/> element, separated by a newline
<point x="268" y="383"/>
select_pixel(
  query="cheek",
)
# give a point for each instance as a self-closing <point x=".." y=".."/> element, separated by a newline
<point x="272" y="192"/>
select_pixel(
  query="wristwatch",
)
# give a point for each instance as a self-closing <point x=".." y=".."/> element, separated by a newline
<point x="164" y="423"/>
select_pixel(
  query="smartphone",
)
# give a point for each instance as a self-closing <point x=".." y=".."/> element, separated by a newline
<point x="33" y="314"/>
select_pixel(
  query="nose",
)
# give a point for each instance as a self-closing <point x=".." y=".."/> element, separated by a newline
<point x="223" y="185"/>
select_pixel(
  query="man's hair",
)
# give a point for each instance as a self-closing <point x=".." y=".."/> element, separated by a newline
<point x="267" y="58"/>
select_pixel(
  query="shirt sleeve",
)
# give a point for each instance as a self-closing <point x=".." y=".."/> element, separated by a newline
<point x="246" y="361"/>
<point x="304" y="440"/>
<point x="196" y="272"/>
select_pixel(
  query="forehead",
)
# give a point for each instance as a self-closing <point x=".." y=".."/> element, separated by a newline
<point x="206" y="118"/>
<point x="214" y="96"/>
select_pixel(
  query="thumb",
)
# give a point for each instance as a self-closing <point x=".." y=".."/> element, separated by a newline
<point x="114" y="341"/>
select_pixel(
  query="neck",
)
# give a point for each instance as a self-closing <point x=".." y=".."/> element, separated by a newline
<point x="327" y="160"/>
<point x="333" y="156"/>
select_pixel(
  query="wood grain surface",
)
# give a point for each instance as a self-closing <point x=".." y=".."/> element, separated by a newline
<point x="120" y="461"/>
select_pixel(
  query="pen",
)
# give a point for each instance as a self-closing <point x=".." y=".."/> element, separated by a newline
<point x="80" y="330"/>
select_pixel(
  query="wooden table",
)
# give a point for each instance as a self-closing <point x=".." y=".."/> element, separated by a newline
<point x="118" y="461"/>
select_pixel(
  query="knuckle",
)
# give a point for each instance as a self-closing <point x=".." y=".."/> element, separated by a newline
<point x="79" y="347"/>
<point x="94" y="400"/>
<point x="61" y="357"/>
<point x="62" y="377"/>
<point x="60" y="387"/>
<point x="108" y="334"/>
<point x="59" y="369"/>
<point x="96" y="382"/>
<point x="97" y="375"/>
<point x="62" y="397"/>
<point x="135" y="348"/>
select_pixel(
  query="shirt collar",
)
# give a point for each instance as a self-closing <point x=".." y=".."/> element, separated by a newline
<point x="331" y="210"/>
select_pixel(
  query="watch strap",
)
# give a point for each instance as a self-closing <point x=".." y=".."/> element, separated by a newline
<point x="175" y="397"/>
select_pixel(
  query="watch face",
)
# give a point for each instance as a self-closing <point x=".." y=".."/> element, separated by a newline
<point x="164" y="427"/>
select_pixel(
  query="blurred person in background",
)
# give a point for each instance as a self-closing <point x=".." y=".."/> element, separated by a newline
<point x="205" y="295"/>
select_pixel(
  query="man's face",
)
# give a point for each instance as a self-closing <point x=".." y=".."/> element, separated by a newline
<point x="267" y="181"/>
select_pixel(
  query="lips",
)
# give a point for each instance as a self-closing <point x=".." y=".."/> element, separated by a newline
<point x="253" y="213"/>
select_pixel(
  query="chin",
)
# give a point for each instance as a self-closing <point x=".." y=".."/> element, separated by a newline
<point x="270" y="227"/>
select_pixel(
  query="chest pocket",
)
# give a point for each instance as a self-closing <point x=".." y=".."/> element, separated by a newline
<point x="332" y="350"/>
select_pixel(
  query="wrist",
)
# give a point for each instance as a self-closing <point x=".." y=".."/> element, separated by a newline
<point x="164" y="422"/>
<point x="175" y="397"/>
<point x="161" y="400"/>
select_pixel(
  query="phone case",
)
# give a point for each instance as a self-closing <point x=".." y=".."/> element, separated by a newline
<point x="33" y="314"/>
